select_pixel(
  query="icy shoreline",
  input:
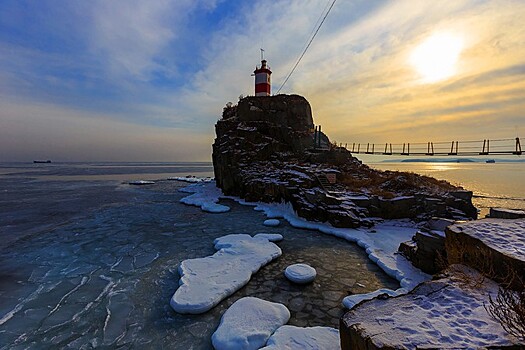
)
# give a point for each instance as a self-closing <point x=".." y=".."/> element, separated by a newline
<point x="380" y="243"/>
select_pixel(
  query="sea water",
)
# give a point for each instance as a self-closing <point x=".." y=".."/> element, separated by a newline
<point x="87" y="260"/>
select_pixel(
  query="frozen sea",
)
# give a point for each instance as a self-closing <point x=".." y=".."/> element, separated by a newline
<point x="88" y="261"/>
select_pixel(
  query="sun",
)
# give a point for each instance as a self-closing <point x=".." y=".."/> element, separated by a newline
<point x="436" y="58"/>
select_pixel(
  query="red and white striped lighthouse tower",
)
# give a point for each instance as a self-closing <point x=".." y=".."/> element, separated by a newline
<point x="262" y="78"/>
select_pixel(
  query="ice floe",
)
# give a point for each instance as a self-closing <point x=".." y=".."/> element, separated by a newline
<point x="141" y="182"/>
<point x="206" y="281"/>
<point x="271" y="222"/>
<point x="300" y="273"/>
<point x="311" y="338"/>
<point x="272" y="237"/>
<point x="191" y="179"/>
<point x="248" y="324"/>
<point x="206" y="196"/>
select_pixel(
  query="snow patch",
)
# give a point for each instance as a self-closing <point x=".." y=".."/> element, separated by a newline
<point x="204" y="282"/>
<point x="248" y="324"/>
<point x="311" y="338"/>
<point x="300" y="273"/>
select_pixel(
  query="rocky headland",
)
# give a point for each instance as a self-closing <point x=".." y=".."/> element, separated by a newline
<point x="265" y="151"/>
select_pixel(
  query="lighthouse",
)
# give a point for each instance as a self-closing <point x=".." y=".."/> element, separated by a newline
<point x="262" y="79"/>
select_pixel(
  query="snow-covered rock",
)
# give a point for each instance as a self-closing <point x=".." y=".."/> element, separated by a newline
<point x="495" y="247"/>
<point x="352" y="300"/>
<point x="446" y="313"/>
<point x="271" y="222"/>
<point x="297" y="338"/>
<point x="206" y="281"/>
<point x="300" y="273"/>
<point x="248" y="324"/>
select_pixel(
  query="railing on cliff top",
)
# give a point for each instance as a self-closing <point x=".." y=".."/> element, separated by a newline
<point x="446" y="148"/>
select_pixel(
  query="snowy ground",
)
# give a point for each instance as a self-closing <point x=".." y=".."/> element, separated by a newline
<point x="448" y="313"/>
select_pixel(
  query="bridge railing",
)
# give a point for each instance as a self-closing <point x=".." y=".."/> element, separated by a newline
<point x="444" y="148"/>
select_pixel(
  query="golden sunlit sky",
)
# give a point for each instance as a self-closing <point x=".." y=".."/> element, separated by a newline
<point x="147" y="80"/>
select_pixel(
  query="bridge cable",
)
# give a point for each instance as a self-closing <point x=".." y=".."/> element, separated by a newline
<point x="307" y="46"/>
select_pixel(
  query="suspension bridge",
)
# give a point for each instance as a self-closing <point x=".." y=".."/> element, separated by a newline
<point x="484" y="147"/>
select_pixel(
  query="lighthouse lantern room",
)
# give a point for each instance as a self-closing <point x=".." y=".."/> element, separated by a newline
<point x="262" y="79"/>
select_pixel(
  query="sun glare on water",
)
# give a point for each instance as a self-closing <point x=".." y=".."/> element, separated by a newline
<point x="435" y="58"/>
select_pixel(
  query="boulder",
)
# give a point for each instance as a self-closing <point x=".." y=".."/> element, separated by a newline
<point x="494" y="247"/>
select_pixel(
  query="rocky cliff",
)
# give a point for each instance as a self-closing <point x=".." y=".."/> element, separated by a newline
<point x="264" y="151"/>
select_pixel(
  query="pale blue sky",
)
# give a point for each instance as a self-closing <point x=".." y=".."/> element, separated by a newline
<point x="147" y="80"/>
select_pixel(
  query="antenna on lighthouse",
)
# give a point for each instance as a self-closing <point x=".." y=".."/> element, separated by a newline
<point x="262" y="78"/>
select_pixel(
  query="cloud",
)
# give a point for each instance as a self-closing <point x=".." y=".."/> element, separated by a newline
<point x="172" y="65"/>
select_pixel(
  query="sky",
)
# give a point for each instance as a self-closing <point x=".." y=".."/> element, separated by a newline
<point x="131" y="80"/>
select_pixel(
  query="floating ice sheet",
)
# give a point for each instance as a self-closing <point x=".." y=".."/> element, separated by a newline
<point x="206" y="281"/>
<point x="206" y="196"/>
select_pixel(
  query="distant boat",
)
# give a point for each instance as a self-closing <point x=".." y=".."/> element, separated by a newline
<point x="42" y="161"/>
<point x="490" y="161"/>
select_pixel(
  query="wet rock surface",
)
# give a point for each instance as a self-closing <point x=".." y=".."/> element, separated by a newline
<point x="264" y="151"/>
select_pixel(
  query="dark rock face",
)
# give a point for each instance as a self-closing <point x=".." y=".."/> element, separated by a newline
<point x="264" y="152"/>
<point x="427" y="248"/>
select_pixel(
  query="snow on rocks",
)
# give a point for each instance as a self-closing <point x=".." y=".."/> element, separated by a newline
<point x="300" y="273"/>
<point x="444" y="313"/>
<point x="272" y="237"/>
<point x="206" y="281"/>
<point x="310" y="338"/>
<point x="206" y="196"/>
<point x="271" y="222"/>
<point x="352" y="300"/>
<point x="248" y="324"/>
<point x="141" y="182"/>
<point x="504" y="236"/>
